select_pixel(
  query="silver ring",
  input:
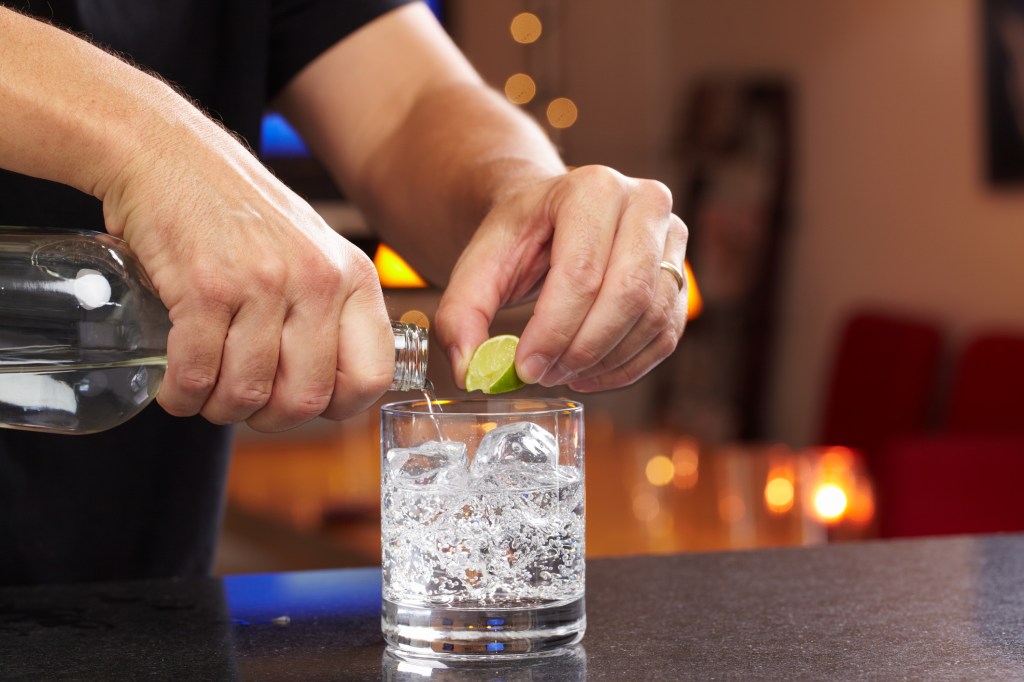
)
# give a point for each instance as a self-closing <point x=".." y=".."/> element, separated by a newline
<point x="676" y="273"/>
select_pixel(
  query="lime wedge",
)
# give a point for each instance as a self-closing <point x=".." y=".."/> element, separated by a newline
<point x="492" y="368"/>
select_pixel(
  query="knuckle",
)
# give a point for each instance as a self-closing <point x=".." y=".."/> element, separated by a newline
<point x="308" y="405"/>
<point x="656" y="193"/>
<point x="249" y="397"/>
<point x="586" y="276"/>
<point x="271" y="274"/>
<point x="197" y="381"/>
<point x="601" y="177"/>
<point x="362" y="269"/>
<point x="659" y="315"/>
<point x="636" y="292"/>
<point x="582" y="356"/>
<point x="628" y="374"/>
<point x="665" y="343"/>
<point x="214" y="290"/>
<point x="676" y="223"/>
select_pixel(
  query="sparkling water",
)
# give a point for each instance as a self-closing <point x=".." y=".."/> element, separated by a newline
<point x="506" y="530"/>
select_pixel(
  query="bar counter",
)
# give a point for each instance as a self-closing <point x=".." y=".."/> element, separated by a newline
<point x="936" y="609"/>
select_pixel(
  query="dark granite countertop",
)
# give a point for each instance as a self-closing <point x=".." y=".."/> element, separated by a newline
<point x="934" y="609"/>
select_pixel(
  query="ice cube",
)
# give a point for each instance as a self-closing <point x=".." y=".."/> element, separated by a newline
<point x="438" y="463"/>
<point x="520" y="456"/>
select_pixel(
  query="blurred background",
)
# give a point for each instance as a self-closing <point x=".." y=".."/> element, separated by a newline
<point x="852" y="174"/>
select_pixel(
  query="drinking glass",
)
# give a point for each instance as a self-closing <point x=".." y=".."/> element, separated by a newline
<point x="482" y="523"/>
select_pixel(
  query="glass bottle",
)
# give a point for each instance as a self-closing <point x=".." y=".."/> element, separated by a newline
<point x="83" y="335"/>
<point x="411" y="351"/>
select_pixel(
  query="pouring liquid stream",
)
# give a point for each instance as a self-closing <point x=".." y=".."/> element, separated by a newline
<point x="433" y="407"/>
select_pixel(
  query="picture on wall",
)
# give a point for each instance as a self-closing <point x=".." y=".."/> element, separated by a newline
<point x="1003" y="46"/>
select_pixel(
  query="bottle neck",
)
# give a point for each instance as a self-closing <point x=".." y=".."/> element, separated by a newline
<point x="410" y="357"/>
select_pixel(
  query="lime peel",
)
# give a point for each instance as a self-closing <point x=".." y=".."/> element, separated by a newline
<point x="492" y="367"/>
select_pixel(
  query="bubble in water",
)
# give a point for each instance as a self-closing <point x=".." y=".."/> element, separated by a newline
<point x="434" y="463"/>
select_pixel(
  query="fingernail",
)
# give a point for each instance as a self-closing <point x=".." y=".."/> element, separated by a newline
<point x="534" y="368"/>
<point x="557" y="374"/>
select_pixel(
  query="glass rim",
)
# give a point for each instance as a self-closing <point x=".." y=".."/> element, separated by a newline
<point x="531" y="406"/>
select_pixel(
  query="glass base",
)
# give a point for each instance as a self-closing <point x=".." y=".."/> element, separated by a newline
<point x="472" y="633"/>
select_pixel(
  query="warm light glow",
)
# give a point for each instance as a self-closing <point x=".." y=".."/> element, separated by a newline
<point x="520" y="88"/>
<point x="731" y="507"/>
<point x="862" y="504"/>
<point x="562" y="112"/>
<point x="686" y="462"/>
<point x="416" y="317"/>
<point x="488" y="426"/>
<point x="646" y="506"/>
<point x="694" y="303"/>
<point x="394" y="272"/>
<point x="778" y="494"/>
<point x="660" y="470"/>
<point x="830" y="502"/>
<point x="526" y="28"/>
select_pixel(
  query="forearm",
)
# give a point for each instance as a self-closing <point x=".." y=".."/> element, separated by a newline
<point x="414" y="136"/>
<point x="72" y="113"/>
<point x="457" y="152"/>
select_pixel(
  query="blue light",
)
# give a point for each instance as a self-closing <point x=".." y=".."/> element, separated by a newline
<point x="280" y="139"/>
<point x="261" y="597"/>
<point x="495" y="646"/>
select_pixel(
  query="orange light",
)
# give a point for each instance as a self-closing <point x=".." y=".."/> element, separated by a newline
<point x="562" y="112"/>
<point x="526" y="28"/>
<point x="645" y="506"/>
<point x="778" y="494"/>
<point x="394" y="272"/>
<point x="686" y="463"/>
<point x="830" y="503"/>
<point x="520" y="88"/>
<point x="694" y="303"/>
<point x="660" y="470"/>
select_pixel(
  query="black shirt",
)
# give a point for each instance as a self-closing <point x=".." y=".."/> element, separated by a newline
<point x="144" y="499"/>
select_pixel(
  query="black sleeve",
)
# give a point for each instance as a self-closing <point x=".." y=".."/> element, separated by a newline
<point x="302" y="30"/>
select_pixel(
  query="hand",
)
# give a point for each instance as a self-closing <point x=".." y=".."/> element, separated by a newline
<point x="276" y="319"/>
<point x="592" y="241"/>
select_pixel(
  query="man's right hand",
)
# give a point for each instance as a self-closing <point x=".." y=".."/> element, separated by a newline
<point x="276" y="319"/>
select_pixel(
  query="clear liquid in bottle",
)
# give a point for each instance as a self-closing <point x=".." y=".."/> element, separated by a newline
<point x="83" y="335"/>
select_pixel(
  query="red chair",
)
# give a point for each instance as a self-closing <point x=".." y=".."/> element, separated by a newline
<point x="987" y="395"/>
<point x="943" y="485"/>
<point x="968" y="478"/>
<point x="881" y="382"/>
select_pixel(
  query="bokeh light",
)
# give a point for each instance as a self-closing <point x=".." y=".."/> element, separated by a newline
<point x="830" y="502"/>
<point x="416" y="317"/>
<point x="686" y="462"/>
<point x="660" y="470"/>
<point x="526" y="28"/>
<point x="562" y="112"/>
<point x="779" y="494"/>
<point x="645" y="505"/>
<point x="520" y="88"/>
